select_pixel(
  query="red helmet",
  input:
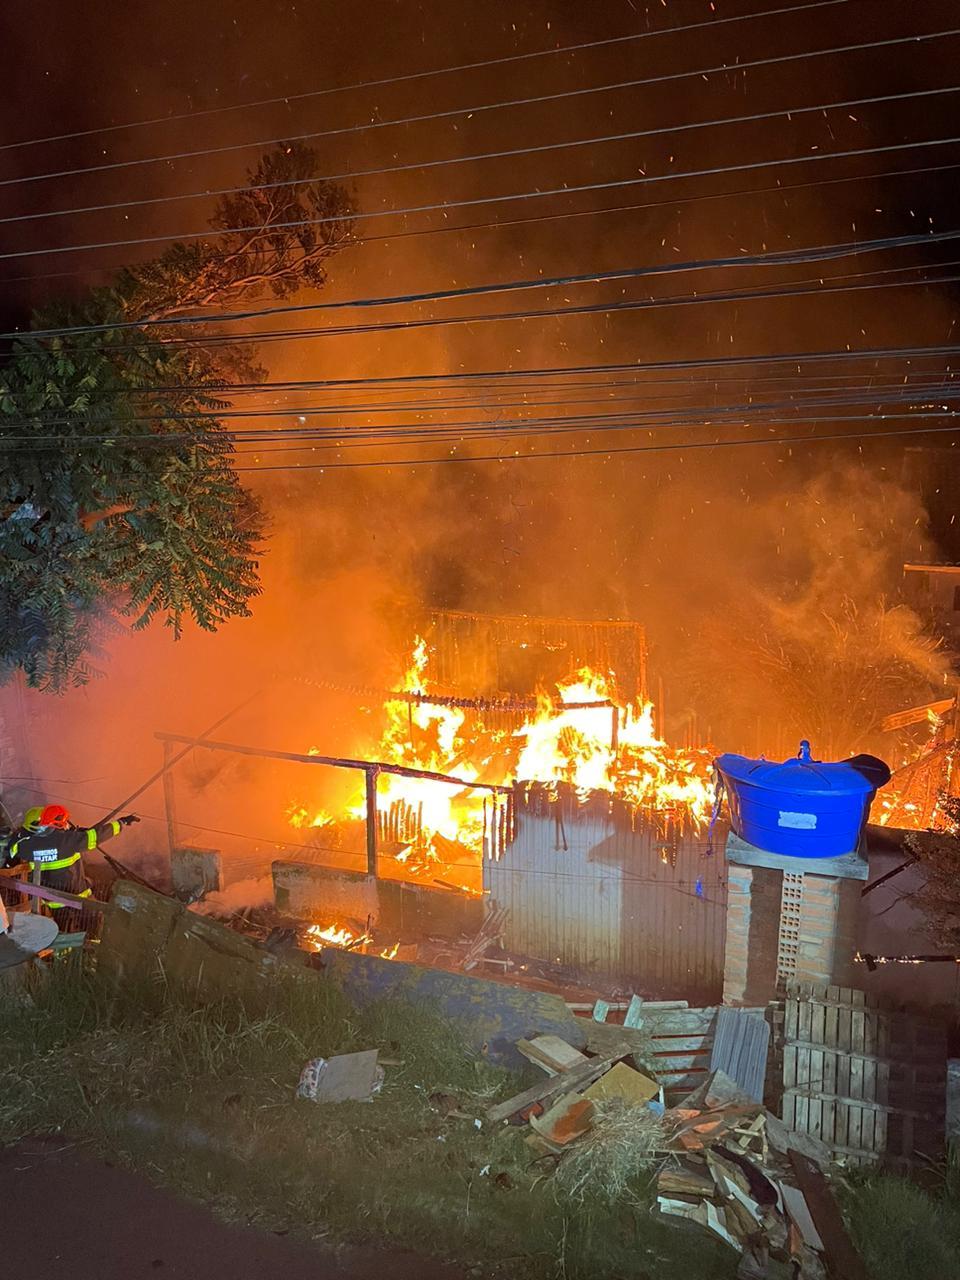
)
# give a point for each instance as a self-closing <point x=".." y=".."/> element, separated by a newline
<point x="55" y="815"/>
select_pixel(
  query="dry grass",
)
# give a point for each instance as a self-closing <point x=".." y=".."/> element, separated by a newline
<point x="202" y="1099"/>
<point x="623" y="1147"/>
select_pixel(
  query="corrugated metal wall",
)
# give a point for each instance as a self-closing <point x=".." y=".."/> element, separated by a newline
<point x="585" y="889"/>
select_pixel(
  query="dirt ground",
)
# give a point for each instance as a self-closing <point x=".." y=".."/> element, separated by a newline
<point x="67" y="1214"/>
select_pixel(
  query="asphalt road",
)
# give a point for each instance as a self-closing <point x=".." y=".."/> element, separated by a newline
<point x="69" y="1216"/>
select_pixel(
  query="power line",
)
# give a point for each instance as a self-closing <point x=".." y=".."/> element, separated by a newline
<point x="383" y="434"/>
<point x="778" y="257"/>
<point x="500" y="199"/>
<point x="770" y="292"/>
<point x="562" y="371"/>
<point x="720" y="69"/>
<point x="580" y="453"/>
<point x="503" y="224"/>
<point x="490" y="155"/>
<point x="946" y="386"/>
<point x="419" y="75"/>
<point x="512" y="376"/>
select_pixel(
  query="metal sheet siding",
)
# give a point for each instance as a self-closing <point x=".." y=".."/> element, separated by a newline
<point x="591" y="893"/>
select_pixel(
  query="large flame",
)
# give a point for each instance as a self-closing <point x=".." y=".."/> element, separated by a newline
<point x="436" y="829"/>
<point x="613" y="748"/>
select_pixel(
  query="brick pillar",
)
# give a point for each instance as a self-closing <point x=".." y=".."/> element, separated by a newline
<point x="829" y="917"/>
<point x="753" y="926"/>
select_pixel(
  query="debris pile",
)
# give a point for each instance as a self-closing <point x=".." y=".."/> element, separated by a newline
<point x="716" y="1157"/>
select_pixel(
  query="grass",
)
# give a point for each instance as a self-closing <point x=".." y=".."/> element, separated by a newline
<point x="203" y="1101"/>
<point x="902" y="1231"/>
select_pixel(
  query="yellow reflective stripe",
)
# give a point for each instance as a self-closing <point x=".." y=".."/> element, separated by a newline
<point x="60" y="863"/>
<point x="57" y="906"/>
<point x="91" y="839"/>
<point x="116" y="827"/>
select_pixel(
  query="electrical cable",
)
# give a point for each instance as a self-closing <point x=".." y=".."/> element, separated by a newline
<point x="632" y="449"/>
<point x="387" y="435"/>
<point x="420" y="75"/>
<point x="721" y="69"/>
<point x="639" y="366"/>
<point x="775" y="258"/>
<point x="517" y="426"/>
<point x="485" y="200"/>
<point x="772" y="292"/>
<point x="503" y="224"/>
<point x="633" y="135"/>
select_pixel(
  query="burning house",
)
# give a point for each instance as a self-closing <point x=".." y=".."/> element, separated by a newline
<point x="558" y="800"/>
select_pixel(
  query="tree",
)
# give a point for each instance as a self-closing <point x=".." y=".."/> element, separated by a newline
<point x="829" y="671"/>
<point x="938" y="853"/>
<point x="118" y="497"/>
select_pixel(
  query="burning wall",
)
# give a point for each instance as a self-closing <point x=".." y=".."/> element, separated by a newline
<point x="583" y="737"/>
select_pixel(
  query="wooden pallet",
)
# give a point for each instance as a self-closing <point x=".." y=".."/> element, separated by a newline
<point x="866" y="1078"/>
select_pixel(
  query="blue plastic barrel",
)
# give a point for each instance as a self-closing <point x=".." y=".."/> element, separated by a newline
<point x="801" y="808"/>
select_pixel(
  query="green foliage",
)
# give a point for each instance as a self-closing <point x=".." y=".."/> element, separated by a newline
<point x="901" y="1231"/>
<point x="118" y="497"/>
<point x="117" y="494"/>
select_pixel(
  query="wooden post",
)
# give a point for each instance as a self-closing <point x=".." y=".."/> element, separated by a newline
<point x="170" y="797"/>
<point x="371" y="776"/>
<point x="614" y="730"/>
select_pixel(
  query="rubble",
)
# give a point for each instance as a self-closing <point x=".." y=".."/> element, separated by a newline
<point x="717" y="1158"/>
<point x="350" y="1077"/>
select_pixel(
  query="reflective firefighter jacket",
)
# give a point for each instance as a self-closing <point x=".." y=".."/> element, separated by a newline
<point x="58" y="854"/>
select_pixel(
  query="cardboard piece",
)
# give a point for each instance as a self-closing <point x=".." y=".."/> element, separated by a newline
<point x="623" y="1083"/>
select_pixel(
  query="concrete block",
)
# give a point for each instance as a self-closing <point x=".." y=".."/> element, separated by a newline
<point x="195" y="872"/>
<point x="151" y="935"/>
<point x="310" y="892"/>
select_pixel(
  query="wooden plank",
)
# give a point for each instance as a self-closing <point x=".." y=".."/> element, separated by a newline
<point x="672" y="1063"/>
<point x="863" y="1103"/>
<point x="817" y="1066"/>
<point x="788" y="1104"/>
<point x="831" y="1023"/>
<point x="553" y="1086"/>
<point x="874" y="1058"/>
<point x="804" y="1065"/>
<point x="855" y="1136"/>
<point x="833" y="997"/>
<point x="868" y="1130"/>
<point x="682" y="1044"/>
<point x="841" y="1255"/>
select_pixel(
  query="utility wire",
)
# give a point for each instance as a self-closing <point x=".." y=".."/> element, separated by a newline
<point x="777" y="257"/>
<point x="286" y="99"/>
<point x="581" y="453"/>
<point x="503" y="224"/>
<point x="661" y="131"/>
<point x="491" y="377"/>
<point x="770" y="292"/>
<point x="539" y="194"/>
<point x="720" y="69"/>
<point x="837" y="394"/>
<point x="381" y="434"/>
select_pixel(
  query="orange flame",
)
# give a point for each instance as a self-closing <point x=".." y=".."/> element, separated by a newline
<point x="560" y="743"/>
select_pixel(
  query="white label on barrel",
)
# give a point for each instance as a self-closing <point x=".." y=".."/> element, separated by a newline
<point x="800" y="821"/>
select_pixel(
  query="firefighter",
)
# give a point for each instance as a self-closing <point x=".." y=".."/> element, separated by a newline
<point x="56" y="848"/>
